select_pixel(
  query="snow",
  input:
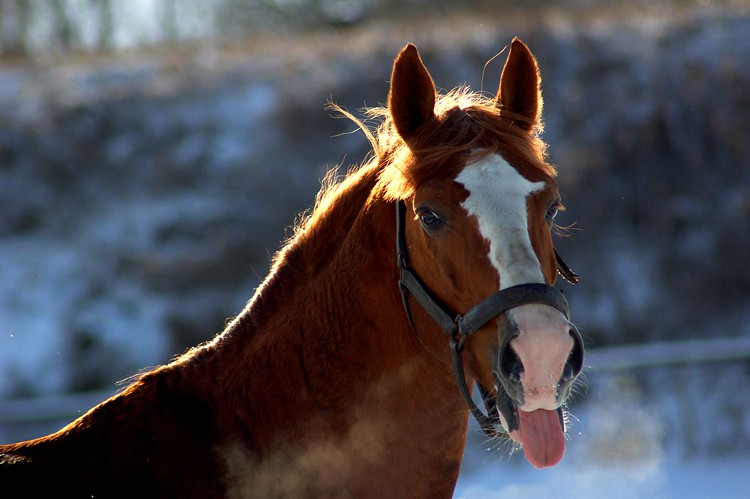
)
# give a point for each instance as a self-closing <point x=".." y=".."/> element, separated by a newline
<point x="35" y="294"/>
<point x="677" y="478"/>
<point x="42" y="294"/>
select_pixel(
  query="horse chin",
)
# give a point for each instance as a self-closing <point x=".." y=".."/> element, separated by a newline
<point x="509" y="422"/>
<point x="507" y="410"/>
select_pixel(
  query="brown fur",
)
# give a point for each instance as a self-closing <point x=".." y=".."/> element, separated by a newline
<point x="319" y="387"/>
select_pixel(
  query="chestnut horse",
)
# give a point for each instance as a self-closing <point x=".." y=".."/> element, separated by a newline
<point x="423" y="272"/>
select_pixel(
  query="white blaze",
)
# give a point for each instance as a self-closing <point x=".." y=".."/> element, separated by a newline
<point x="497" y="198"/>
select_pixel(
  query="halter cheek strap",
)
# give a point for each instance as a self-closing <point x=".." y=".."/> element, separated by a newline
<point x="565" y="271"/>
<point x="459" y="327"/>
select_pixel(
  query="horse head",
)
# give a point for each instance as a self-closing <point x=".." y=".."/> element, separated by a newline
<point x="478" y="204"/>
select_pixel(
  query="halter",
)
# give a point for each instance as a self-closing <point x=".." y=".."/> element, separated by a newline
<point x="459" y="327"/>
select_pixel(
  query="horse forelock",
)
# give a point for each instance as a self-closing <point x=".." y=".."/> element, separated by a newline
<point x="467" y="127"/>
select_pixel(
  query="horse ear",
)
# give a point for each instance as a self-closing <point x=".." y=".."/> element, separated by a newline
<point x="411" y="100"/>
<point x="520" y="87"/>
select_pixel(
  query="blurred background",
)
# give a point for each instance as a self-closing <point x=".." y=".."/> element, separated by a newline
<point x="154" y="153"/>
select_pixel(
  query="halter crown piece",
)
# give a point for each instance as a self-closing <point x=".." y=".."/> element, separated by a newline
<point x="459" y="327"/>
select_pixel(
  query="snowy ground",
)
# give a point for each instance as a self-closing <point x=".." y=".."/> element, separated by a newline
<point x="582" y="479"/>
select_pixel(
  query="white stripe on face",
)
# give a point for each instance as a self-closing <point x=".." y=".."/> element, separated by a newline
<point x="497" y="197"/>
<point x="542" y="342"/>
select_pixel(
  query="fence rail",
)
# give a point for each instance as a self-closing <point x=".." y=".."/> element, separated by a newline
<point x="668" y="353"/>
<point x="69" y="406"/>
<point x="66" y="406"/>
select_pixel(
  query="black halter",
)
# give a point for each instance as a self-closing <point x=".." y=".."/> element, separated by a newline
<point x="459" y="327"/>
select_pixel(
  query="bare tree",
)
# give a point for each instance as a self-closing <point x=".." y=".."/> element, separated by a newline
<point x="14" y="26"/>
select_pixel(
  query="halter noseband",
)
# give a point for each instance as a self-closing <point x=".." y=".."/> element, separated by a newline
<point x="459" y="327"/>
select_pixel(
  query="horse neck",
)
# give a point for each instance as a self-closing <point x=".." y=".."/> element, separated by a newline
<point x="325" y="349"/>
<point x="332" y="296"/>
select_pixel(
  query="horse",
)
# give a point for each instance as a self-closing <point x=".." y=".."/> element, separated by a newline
<point x="426" y="270"/>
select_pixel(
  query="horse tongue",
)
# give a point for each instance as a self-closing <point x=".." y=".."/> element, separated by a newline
<point x="542" y="435"/>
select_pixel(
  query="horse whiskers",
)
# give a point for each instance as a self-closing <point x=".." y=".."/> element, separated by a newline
<point x="565" y="231"/>
<point x="570" y="421"/>
<point x="502" y="448"/>
<point x="579" y="388"/>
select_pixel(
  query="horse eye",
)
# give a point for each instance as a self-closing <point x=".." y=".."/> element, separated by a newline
<point x="430" y="219"/>
<point x="552" y="211"/>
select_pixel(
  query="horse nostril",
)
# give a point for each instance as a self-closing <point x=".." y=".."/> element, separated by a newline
<point x="567" y="374"/>
<point x="511" y="366"/>
<point x="574" y="365"/>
